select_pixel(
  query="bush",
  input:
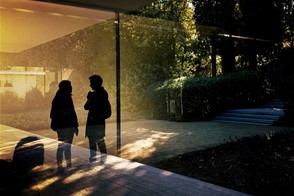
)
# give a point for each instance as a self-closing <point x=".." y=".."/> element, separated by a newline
<point x="9" y="102"/>
<point x="158" y="97"/>
<point x="34" y="99"/>
<point x="201" y="98"/>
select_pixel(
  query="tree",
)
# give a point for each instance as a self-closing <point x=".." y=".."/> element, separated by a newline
<point x="288" y="23"/>
<point x="223" y="15"/>
<point x="261" y="20"/>
<point x="255" y="24"/>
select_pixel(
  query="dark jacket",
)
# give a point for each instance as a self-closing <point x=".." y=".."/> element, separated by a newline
<point x="98" y="106"/>
<point x="62" y="112"/>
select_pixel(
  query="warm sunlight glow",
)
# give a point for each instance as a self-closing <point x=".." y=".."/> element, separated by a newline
<point x="5" y="147"/>
<point x="125" y="165"/>
<point x="23" y="10"/>
<point x="55" y="14"/>
<point x="22" y="73"/>
<point x="45" y="183"/>
<point x="244" y="37"/>
<point x="24" y="25"/>
<point x="74" y="177"/>
<point x="144" y="148"/>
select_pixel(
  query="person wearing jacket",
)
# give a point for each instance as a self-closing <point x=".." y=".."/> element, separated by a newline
<point x="64" y="121"/>
<point x="99" y="109"/>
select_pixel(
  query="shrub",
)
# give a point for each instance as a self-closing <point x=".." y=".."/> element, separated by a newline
<point x="34" y="99"/>
<point x="200" y="98"/>
<point x="10" y="102"/>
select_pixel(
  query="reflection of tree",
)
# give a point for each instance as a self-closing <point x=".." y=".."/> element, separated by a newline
<point x="34" y="99"/>
<point x="162" y="41"/>
<point x="9" y="102"/>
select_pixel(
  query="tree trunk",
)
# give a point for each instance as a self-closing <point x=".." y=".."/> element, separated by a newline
<point x="213" y="57"/>
<point x="228" y="56"/>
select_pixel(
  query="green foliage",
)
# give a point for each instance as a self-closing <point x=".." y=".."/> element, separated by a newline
<point x="34" y="99"/>
<point x="162" y="41"/>
<point x="9" y="102"/>
<point x="203" y="97"/>
<point x="256" y="27"/>
<point x="257" y="19"/>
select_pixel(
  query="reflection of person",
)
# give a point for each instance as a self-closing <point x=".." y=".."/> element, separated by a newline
<point x="16" y="176"/>
<point x="64" y="122"/>
<point x="98" y="105"/>
<point x="29" y="153"/>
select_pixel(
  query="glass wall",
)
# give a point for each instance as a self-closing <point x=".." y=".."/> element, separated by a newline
<point x="213" y="79"/>
<point x="167" y="98"/>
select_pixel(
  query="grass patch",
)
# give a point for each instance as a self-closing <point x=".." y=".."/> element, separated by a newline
<point x="257" y="165"/>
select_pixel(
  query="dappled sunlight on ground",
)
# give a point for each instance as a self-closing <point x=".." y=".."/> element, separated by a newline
<point x="126" y="165"/>
<point x="166" y="173"/>
<point x="79" y="176"/>
<point x="5" y="147"/>
<point x="143" y="148"/>
<point x="82" y="143"/>
<point x="42" y="184"/>
<point x="147" y="141"/>
<point x="109" y="175"/>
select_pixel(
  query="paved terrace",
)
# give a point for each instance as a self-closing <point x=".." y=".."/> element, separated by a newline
<point x="144" y="140"/>
<point x="109" y="176"/>
<point x="148" y="141"/>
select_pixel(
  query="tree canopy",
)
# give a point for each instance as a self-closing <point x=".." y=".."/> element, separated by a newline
<point x="257" y="25"/>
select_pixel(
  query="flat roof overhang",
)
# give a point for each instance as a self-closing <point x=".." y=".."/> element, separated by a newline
<point x="114" y="5"/>
<point x="25" y="24"/>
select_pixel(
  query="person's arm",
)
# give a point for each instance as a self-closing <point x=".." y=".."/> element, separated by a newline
<point x="53" y="109"/>
<point x="87" y="105"/>
<point x="53" y="115"/>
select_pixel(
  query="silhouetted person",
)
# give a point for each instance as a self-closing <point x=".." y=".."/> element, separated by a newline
<point x="64" y="122"/>
<point x="99" y="110"/>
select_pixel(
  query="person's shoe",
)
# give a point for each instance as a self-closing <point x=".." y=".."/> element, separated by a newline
<point x="103" y="158"/>
<point x="60" y="170"/>
<point x="92" y="159"/>
<point x="68" y="166"/>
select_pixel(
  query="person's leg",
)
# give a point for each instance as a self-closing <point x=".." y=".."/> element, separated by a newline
<point x="61" y="147"/>
<point x="59" y="154"/>
<point x="103" y="151"/>
<point x="68" y="142"/>
<point x="102" y="145"/>
<point x="93" y="148"/>
<point x="100" y="135"/>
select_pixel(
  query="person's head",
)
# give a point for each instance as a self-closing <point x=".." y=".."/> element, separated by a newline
<point x="95" y="82"/>
<point x="65" y="86"/>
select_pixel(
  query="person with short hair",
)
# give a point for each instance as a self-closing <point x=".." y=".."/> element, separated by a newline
<point x="97" y="104"/>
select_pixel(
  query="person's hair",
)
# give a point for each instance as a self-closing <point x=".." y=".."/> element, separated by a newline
<point x="64" y="84"/>
<point x="96" y="79"/>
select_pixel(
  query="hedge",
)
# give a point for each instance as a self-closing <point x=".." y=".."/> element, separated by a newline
<point x="201" y="98"/>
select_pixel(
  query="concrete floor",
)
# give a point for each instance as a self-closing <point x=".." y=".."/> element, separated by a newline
<point x="151" y="140"/>
<point x="113" y="175"/>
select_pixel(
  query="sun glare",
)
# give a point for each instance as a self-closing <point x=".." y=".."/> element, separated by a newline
<point x="23" y="10"/>
<point x="144" y="148"/>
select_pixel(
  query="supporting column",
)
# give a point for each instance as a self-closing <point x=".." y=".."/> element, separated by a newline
<point x="118" y="112"/>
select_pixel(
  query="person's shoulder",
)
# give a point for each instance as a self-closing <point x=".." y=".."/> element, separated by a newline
<point x="105" y="93"/>
<point x="102" y="91"/>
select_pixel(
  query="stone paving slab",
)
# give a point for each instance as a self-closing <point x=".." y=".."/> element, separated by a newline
<point x="148" y="141"/>
<point x="112" y="176"/>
